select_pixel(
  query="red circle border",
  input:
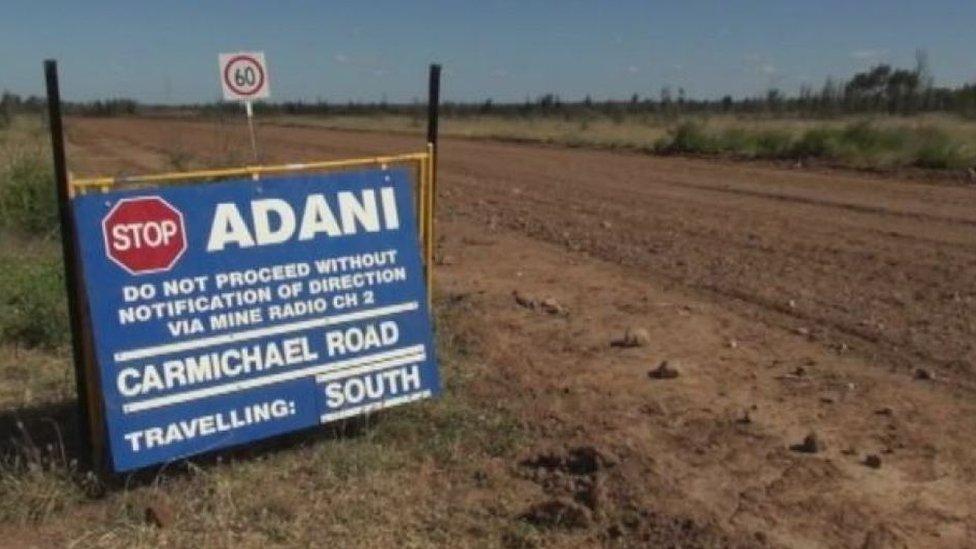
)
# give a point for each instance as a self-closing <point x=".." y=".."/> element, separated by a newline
<point x="235" y="59"/>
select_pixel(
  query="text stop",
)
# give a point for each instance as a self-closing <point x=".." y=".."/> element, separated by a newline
<point x="144" y="235"/>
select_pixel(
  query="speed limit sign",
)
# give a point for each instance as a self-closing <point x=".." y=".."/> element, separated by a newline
<point x="244" y="76"/>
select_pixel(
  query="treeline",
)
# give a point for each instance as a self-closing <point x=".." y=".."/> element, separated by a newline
<point x="881" y="89"/>
<point x="11" y="104"/>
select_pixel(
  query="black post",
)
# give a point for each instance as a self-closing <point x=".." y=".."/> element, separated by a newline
<point x="433" y="104"/>
<point x="433" y="108"/>
<point x="70" y="255"/>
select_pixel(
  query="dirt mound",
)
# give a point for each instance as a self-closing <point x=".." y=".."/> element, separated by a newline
<point x="579" y="472"/>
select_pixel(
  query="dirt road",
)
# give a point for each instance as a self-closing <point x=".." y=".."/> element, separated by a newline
<point x="791" y="301"/>
<point x="886" y="267"/>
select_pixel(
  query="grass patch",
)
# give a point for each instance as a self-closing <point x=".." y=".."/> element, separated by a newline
<point x="939" y="151"/>
<point x="32" y="300"/>
<point x="37" y="482"/>
<point x="688" y="137"/>
<point x="33" y="312"/>
<point x="35" y="493"/>
<point x="28" y="200"/>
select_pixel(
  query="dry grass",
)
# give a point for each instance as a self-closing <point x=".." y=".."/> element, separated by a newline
<point x="27" y="194"/>
<point x="406" y="477"/>
<point x="927" y="141"/>
<point x="595" y="131"/>
<point x="24" y="135"/>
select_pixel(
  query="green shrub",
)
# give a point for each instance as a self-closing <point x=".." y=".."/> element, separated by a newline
<point x="691" y="137"/>
<point x="28" y="201"/>
<point x="859" y="143"/>
<point x="937" y="150"/>
<point x="687" y="137"/>
<point x="774" y="144"/>
<point x="737" y="139"/>
<point x="864" y="139"/>
<point x="816" y="143"/>
<point x="32" y="302"/>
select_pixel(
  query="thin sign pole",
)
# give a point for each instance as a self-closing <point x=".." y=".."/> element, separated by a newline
<point x="70" y="256"/>
<point x="249" y="108"/>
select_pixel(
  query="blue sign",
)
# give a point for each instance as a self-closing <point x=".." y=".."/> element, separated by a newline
<point x="228" y="312"/>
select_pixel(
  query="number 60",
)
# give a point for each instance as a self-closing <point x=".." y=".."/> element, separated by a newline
<point x="245" y="76"/>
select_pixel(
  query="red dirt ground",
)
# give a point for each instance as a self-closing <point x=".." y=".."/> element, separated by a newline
<point x="789" y="301"/>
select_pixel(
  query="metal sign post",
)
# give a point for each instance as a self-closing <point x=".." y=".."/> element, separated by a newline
<point x="249" y="108"/>
<point x="86" y="421"/>
<point x="433" y="108"/>
<point x="433" y="103"/>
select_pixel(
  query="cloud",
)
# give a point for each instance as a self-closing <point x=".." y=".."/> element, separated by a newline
<point x="374" y="66"/>
<point x="867" y="54"/>
<point x="499" y="73"/>
<point x="761" y="66"/>
<point x="760" y="63"/>
<point x="633" y="69"/>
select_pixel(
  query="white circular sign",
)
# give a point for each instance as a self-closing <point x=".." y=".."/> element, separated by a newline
<point x="243" y="76"/>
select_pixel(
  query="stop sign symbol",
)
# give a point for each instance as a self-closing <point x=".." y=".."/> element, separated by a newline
<point x="144" y="235"/>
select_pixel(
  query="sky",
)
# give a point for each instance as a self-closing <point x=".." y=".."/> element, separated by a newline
<point x="166" y="52"/>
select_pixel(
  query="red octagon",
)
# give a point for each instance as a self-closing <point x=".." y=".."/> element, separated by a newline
<point x="144" y="234"/>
